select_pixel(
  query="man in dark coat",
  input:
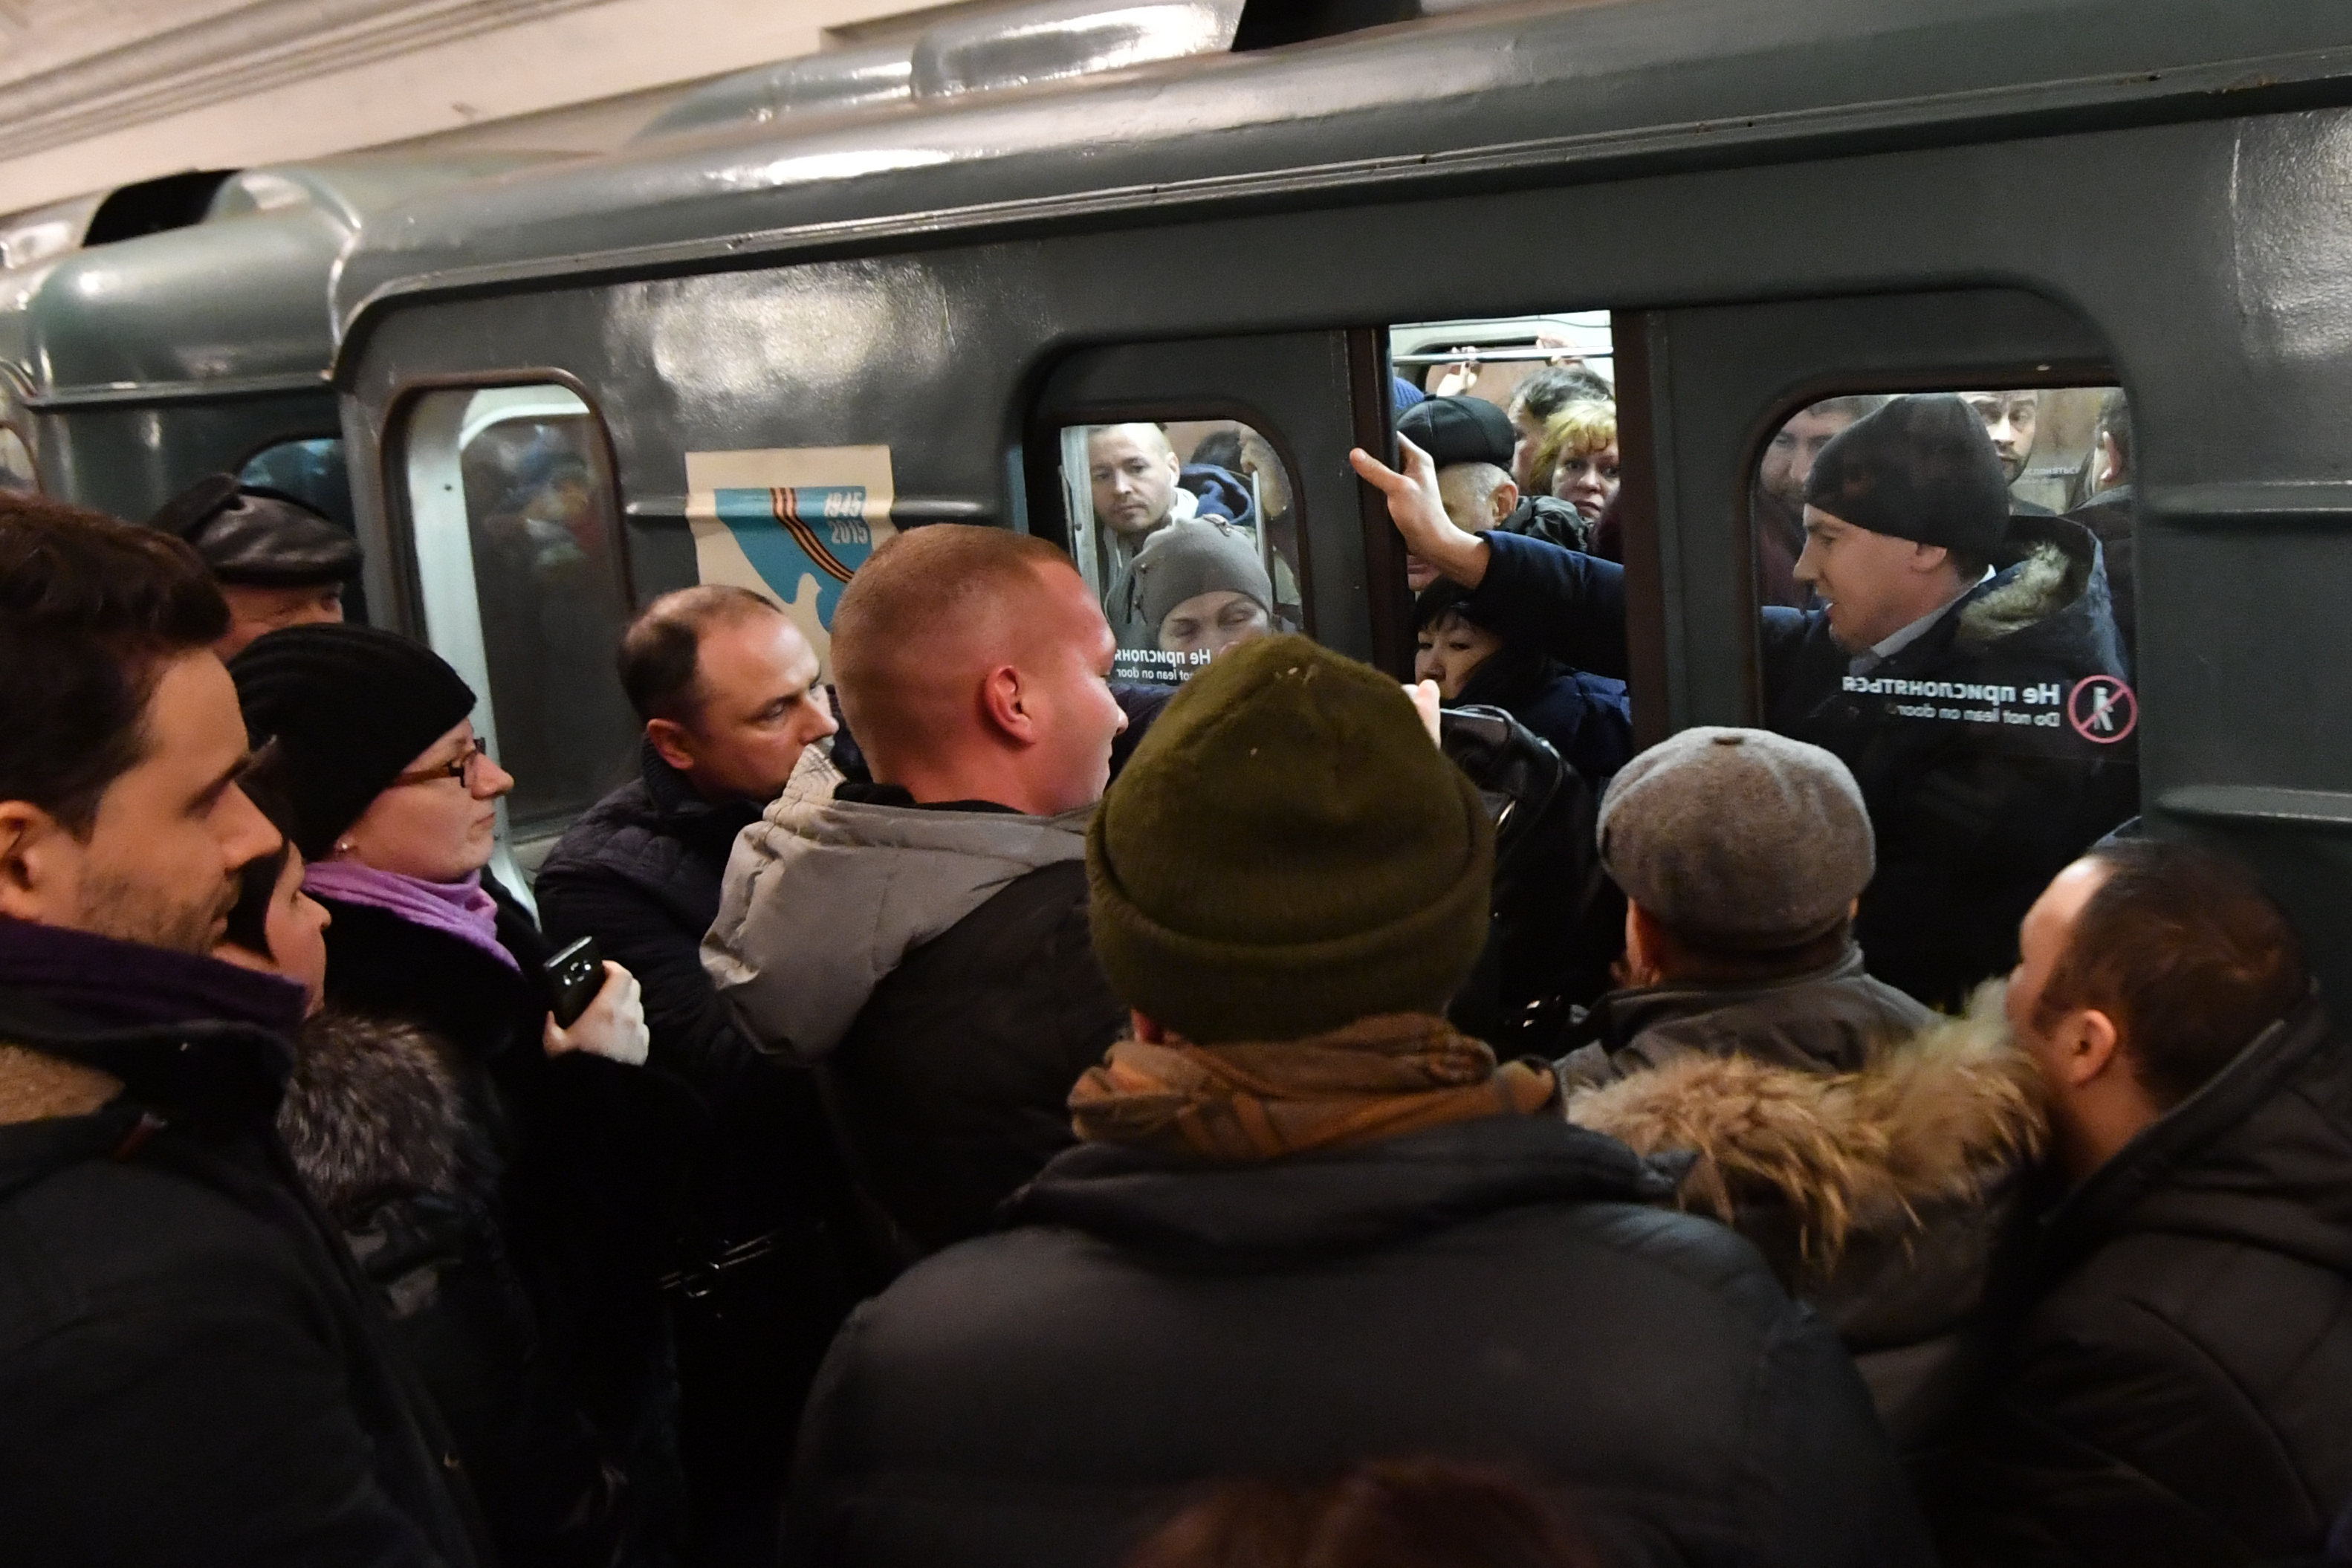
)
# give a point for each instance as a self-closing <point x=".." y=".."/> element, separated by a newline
<point x="1309" y="1223"/>
<point x="1876" y="1153"/>
<point x="192" y="1367"/>
<point x="725" y="687"/>
<point x="1966" y="669"/>
<point x="2176" y="1391"/>
<point x="922" y="939"/>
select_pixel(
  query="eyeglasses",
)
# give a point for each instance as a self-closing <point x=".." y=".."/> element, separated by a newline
<point x="460" y="767"/>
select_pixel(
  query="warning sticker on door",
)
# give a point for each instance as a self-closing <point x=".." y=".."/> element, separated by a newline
<point x="792" y="522"/>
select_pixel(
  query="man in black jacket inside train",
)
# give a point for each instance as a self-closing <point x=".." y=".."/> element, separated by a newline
<point x="2175" y="1393"/>
<point x="1310" y="1222"/>
<point x="192" y="1367"/>
<point x="922" y="938"/>
<point x="725" y="687"/>
<point x="1965" y="667"/>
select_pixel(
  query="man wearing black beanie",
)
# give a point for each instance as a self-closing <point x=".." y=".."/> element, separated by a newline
<point x="1952" y="640"/>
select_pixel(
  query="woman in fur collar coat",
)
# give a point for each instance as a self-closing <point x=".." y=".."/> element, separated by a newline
<point x="396" y="1138"/>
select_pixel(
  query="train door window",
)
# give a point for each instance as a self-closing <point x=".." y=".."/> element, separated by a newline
<point x="16" y="462"/>
<point x="521" y="570"/>
<point x="1533" y="452"/>
<point x="312" y="470"/>
<point x="1187" y="531"/>
<point x="1947" y="603"/>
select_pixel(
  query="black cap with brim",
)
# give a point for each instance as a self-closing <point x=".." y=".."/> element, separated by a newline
<point x="252" y="537"/>
<point x="1459" y="430"/>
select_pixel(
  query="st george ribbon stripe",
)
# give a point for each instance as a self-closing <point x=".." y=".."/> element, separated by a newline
<point x="787" y="505"/>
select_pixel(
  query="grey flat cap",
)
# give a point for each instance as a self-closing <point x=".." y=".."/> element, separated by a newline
<point x="1741" y="839"/>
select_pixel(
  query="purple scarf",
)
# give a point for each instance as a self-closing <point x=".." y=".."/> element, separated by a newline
<point x="124" y="986"/>
<point x="460" y="910"/>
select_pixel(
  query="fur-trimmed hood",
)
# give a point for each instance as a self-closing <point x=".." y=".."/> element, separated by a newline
<point x="1936" y="1123"/>
<point x="375" y="1110"/>
<point x="2048" y="613"/>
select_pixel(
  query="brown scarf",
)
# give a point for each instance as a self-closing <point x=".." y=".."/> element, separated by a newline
<point x="1376" y="1079"/>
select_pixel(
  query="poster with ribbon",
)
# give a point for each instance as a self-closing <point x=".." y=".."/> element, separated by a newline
<point x="791" y="523"/>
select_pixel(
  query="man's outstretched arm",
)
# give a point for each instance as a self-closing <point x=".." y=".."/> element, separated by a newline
<point x="1571" y="604"/>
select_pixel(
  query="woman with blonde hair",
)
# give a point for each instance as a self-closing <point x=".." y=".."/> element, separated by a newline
<point x="1576" y="460"/>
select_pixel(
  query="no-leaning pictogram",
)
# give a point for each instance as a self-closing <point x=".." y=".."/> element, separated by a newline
<point x="2102" y="708"/>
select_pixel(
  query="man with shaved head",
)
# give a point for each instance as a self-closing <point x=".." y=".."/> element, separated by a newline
<point x="1139" y="486"/>
<point x="922" y="940"/>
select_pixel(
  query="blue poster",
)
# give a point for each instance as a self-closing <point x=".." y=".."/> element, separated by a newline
<point x="810" y="531"/>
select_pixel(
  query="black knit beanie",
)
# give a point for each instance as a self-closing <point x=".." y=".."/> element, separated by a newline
<point x="1922" y="469"/>
<point x="350" y="708"/>
<point x="1287" y="852"/>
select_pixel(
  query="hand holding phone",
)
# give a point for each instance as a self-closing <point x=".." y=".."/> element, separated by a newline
<point x="574" y="977"/>
<point x="613" y="1023"/>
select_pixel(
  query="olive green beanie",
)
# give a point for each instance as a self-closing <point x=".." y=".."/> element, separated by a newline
<point x="1287" y="852"/>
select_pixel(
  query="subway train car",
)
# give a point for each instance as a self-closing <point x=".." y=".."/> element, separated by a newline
<point x="835" y="300"/>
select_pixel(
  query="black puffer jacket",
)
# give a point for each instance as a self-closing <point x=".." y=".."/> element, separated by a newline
<point x="192" y="1367"/>
<point x="1558" y="920"/>
<point x="1494" y="1291"/>
<point x="1973" y="814"/>
<point x="590" y="1207"/>
<point x="934" y="962"/>
<point x="1876" y="1153"/>
<point x="2179" y="1391"/>
<point x="767" y="1259"/>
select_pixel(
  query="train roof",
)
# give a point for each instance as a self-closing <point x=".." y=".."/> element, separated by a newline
<point x="238" y="302"/>
<point x="1456" y="102"/>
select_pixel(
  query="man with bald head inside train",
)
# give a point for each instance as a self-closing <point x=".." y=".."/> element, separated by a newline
<point x="922" y="939"/>
<point x="1965" y="666"/>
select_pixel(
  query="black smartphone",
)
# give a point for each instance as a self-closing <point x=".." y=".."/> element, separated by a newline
<point x="573" y="978"/>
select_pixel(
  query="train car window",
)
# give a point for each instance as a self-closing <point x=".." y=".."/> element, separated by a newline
<point x="1189" y="533"/>
<point x="1945" y="580"/>
<point x="521" y="563"/>
<point x="16" y="471"/>
<point x="1520" y="414"/>
<point x="312" y="470"/>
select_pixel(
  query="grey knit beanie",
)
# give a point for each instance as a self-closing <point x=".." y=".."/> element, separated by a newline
<point x="1185" y="560"/>
<point x="1741" y="839"/>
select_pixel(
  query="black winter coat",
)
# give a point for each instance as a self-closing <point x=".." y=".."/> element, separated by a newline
<point x="769" y="1255"/>
<point x="1558" y="920"/>
<point x="1973" y="816"/>
<point x="954" y="1084"/>
<point x="1492" y="1292"/>
<point x="935" y="963"/>
<point x="641" y="872"/>
<point x="590" y="1210"/>
<point x="192" y="1368"/>
<point x="2179" y="1392"/>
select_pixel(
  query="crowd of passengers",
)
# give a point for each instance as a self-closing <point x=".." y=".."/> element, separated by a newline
<point x="1032" y="1118"/>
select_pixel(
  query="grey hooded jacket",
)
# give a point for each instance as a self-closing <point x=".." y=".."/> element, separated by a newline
<point x="934" y="965"/>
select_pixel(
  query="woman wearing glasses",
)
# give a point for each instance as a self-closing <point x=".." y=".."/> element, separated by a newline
<point x="394" y="803"/>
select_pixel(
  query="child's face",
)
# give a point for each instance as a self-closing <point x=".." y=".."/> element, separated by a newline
<point x="296" y="928"/>
<point x="1451" y="650"/>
